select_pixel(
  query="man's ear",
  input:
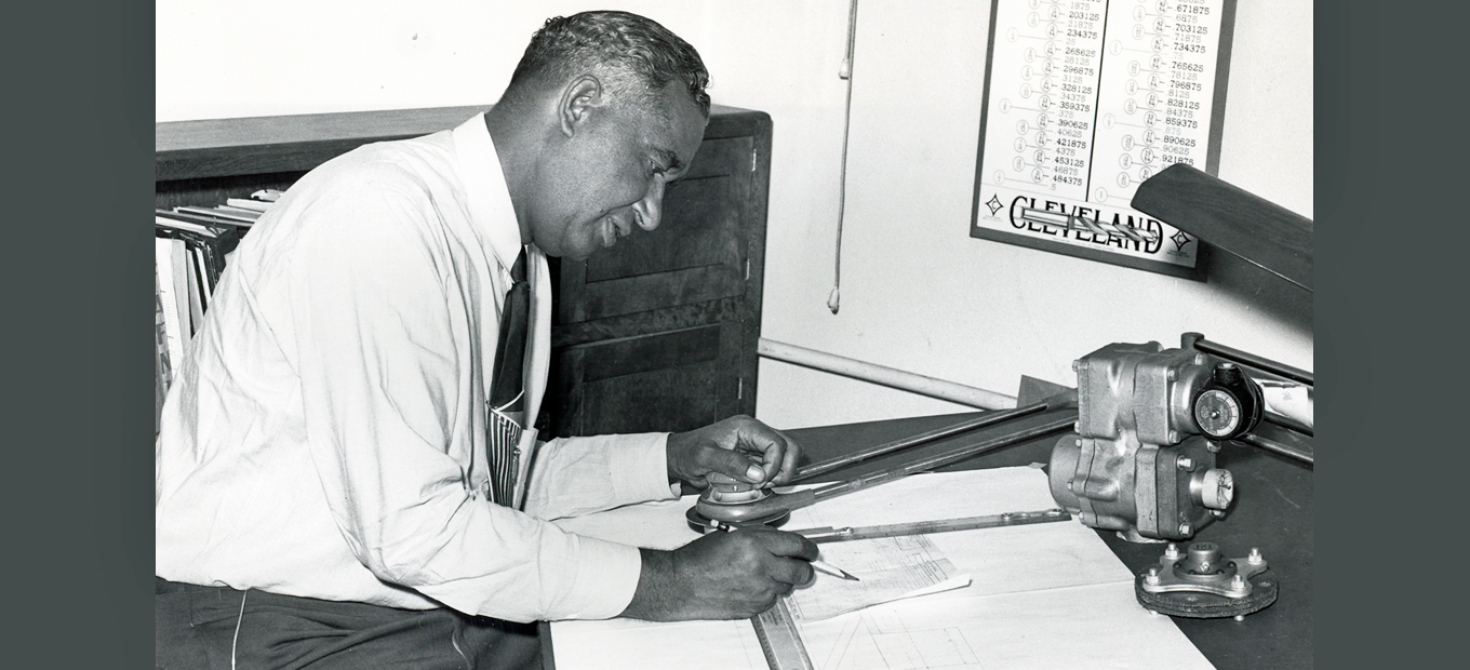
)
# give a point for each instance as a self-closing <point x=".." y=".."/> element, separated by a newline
<point x="577" y="101"/>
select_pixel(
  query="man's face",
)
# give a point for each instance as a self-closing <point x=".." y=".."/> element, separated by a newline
<point x="609" y="176"/>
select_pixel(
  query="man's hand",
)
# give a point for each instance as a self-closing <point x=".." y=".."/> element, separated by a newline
<point x="723" y="575"/>
<point x="741" y="447"/>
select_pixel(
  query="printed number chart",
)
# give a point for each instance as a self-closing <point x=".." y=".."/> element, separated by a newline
<point x="1084" y="100"/>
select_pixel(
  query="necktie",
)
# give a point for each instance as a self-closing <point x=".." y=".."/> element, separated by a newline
<point x="507" y="391"/>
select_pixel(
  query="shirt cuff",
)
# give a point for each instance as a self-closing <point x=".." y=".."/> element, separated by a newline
<point x="606" y="579"/>
<point x="641" y="471"/>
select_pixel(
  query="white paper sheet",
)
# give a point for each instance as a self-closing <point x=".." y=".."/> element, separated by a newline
<point x="1096" y="627"/>
<point x="1048" y="595"/>
<point x="888" y="569"/>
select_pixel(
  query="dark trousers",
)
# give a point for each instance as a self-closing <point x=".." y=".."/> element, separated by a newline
<point x="201" y="627"/>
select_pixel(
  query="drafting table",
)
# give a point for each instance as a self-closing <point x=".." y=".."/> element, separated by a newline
<point x="1273" y="511"/>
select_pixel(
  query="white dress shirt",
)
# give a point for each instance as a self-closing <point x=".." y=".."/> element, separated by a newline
<point x="325" y="436"/>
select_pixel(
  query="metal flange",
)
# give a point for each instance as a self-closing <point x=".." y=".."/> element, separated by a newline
<point x="1199" y="583"/>
<point x="729" y="503"/>
<point x="703" y="524"/>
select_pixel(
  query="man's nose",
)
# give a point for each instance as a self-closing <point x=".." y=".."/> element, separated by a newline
<point x="650" y="208"/>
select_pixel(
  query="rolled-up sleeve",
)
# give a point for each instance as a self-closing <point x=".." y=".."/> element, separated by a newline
<point x="382" y="346"/>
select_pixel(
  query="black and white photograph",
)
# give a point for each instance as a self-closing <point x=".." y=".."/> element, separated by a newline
<point x="807" y="334"/>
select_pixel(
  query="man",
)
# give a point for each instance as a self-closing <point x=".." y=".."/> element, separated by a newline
<point x="337" y="485"/>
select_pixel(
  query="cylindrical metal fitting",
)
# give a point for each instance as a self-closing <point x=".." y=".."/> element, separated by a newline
<point x="1204" y="558"/>
<point x="1215" y="488"/>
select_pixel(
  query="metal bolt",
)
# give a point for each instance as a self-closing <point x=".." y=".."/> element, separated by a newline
<point x="1237" y="582"/>
<point x="1255" y="556"/>
<point x="1185" y="529"/>
<point x="1153" y="575"/>
<point x="1172" y="551"/>
<point x="1185" y="463"/>
<point x="1212" y="446"/>
<point x="1173" y="437"/>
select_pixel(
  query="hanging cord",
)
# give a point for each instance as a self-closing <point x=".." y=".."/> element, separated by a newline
<point x="235" y="643"/>
<point x="834" y="300"/>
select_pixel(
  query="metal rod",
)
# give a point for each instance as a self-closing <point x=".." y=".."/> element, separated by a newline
<point x="830" y="534"/>
<point x="885" y="376"/>
<point x="939" y="460"/>
<point x="1276" y="447"/>
<point x="1199" y="342"/>
<point x="1287" y="422"/>
<point x="831" y="464"/>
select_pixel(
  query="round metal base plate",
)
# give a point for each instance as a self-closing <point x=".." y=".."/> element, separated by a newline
<point x="1201" y="605"/>
<point x="703" y="524"/>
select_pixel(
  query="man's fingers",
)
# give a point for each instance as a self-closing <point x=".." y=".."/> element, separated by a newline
<point x="792" y="555"/>
<point x="739" y="447"/>
<point x="742" y="572"/>
<point x="778" y="454"/>
<point x="791" y="571"/>
<point x="772" y="459"/>
<point x="772" y="451"/>
<point x="786" y="545"/>
<point x="732" y="463"/>
<point x="789" y="459"/>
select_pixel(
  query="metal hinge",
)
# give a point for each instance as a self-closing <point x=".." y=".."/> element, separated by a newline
<point x="754" y="159"/>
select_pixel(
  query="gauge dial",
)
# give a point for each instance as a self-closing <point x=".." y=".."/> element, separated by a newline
<point x="1217" y="412"/>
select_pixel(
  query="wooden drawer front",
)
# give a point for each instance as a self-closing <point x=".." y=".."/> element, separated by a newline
<point x="668" y="381"/>
<point x="697" y="254"/>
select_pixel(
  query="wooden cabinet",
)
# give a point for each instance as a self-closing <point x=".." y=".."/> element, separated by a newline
<point x="658" y="333"/>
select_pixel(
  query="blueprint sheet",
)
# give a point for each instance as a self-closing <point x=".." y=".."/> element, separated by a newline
<point x="888" y="569"/>
<point x="1047" y="595"/>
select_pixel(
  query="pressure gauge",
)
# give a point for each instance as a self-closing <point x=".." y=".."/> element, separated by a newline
<point x="1217" y="413"/>
<point x="1229" y="405"/>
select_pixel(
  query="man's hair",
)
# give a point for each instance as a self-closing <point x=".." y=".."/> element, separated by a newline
<point x="636" y="55"/>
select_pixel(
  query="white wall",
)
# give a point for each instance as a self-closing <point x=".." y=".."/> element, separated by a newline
<point x="917" y="292"/>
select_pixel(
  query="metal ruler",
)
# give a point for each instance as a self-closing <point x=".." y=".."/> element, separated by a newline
<point x="780" y="640"/>
<point x="776" y="628"/>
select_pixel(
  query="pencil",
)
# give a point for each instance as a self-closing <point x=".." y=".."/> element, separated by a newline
<point x="821" y="566"/>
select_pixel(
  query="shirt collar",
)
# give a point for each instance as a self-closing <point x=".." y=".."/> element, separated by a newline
<point x="492" y="215"/>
